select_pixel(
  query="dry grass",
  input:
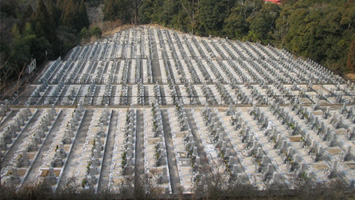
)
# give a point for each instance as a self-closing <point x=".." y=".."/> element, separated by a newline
<point x="350" y="76"/>
<point x="110" y="29"/>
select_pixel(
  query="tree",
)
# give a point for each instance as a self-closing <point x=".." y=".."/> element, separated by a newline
<point x="20" y="51"/>
<point x="118" y="9"/>
<point x="28" y="13"/>
<point x="83" y="16"/>
<point x="211" y="15"/>
<point x="135" y="7"/>
<point x="68" y="17"/>
<point x="84" y="33"/>
<point x="54" y="13"/>
<point x="146" y="11"/>
<point x="350" y="64"/>
<point x="236" y="24"/>
<point x="41" y="21"/>
<point x="96" y="31"/>
<point x="110" y="10"/>
<point x="262" y="23"/>
<point x="124" y="10"/>
<point x="9" y="7"/>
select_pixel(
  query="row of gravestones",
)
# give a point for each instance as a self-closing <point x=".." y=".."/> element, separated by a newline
<point x="210" y="98"/>
<point x="168" y="68"/>
<point x="130" y="135"/>
<point x="307" y="142"/>
<point x="178" y="61"/>
<point x="190" y="142"/>
<point x="270" y="170"/>
<point x="140" y="93"/>
<point x="234" y="80"/>
<point x="316" y="123"/>
<point x="250" y="49"/>
<point x="33" y="146"/>
<point x="161" y="146"/>
<point x="60" y="158"/>
<point x="186" y="147"/>
<point x="45" y="94"/>
<point x="91" y="181"/>
<point x="258" y="116"/>
<point x="225" y="149"/>
<point x="50" y="70"/>
<point x="14" y="130"/>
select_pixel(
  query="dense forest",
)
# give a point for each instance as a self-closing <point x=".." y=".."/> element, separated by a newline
<point x="323" y="30"/>
<point x="41" y="29"/>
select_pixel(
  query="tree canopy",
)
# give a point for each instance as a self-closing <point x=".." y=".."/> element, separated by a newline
<point x="45" y="31"/>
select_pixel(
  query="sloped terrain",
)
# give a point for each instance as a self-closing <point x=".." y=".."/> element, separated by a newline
<point x="178" y="109"/>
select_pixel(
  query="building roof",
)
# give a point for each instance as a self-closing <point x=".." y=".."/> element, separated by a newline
<point x="274" y="1"/>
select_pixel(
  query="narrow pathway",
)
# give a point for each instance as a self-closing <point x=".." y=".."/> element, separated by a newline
<point x="155" y="65"/>
<point x="62" y="96"/>
<point x="172" y="163"/>
<point x="129" y="95"/>
<point x="112" y="95"/>
<point x="163" y="95"/>
<point x="96" y="98"/>
<point x="197" y="137"/>
<point x="78" y="145"/>
<point x="106" y="164"/>
<point x="139" y="167"/>
<point x="146" y="95"/>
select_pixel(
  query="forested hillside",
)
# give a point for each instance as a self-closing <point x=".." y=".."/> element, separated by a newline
<point x="322" y="30"/>
<point x="39" y="29"/>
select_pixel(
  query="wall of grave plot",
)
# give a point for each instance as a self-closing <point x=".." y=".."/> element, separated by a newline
<point x="150" y="103"/>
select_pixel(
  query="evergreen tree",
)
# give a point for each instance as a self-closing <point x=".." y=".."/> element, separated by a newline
<point x="124" y="10"/>
<point x="263" y="22"/>
<point x="9" y="7"/>
<point x="84" y="19"/>
<point x="236" y="25"/>
<point x="110" y="10"/>
<point x="41" y="21"/>
<point x="54" y="13"/>
<point x="68" y="14"/>
<point x="118" y="9"/>
<point x="28" y="13"/>
<point x="351" y="57"/>
<point x="212" y="14"/>
<point x="146" y="11"/>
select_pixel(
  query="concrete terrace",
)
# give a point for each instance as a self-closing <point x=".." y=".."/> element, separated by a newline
<point x="176" y="108"/>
